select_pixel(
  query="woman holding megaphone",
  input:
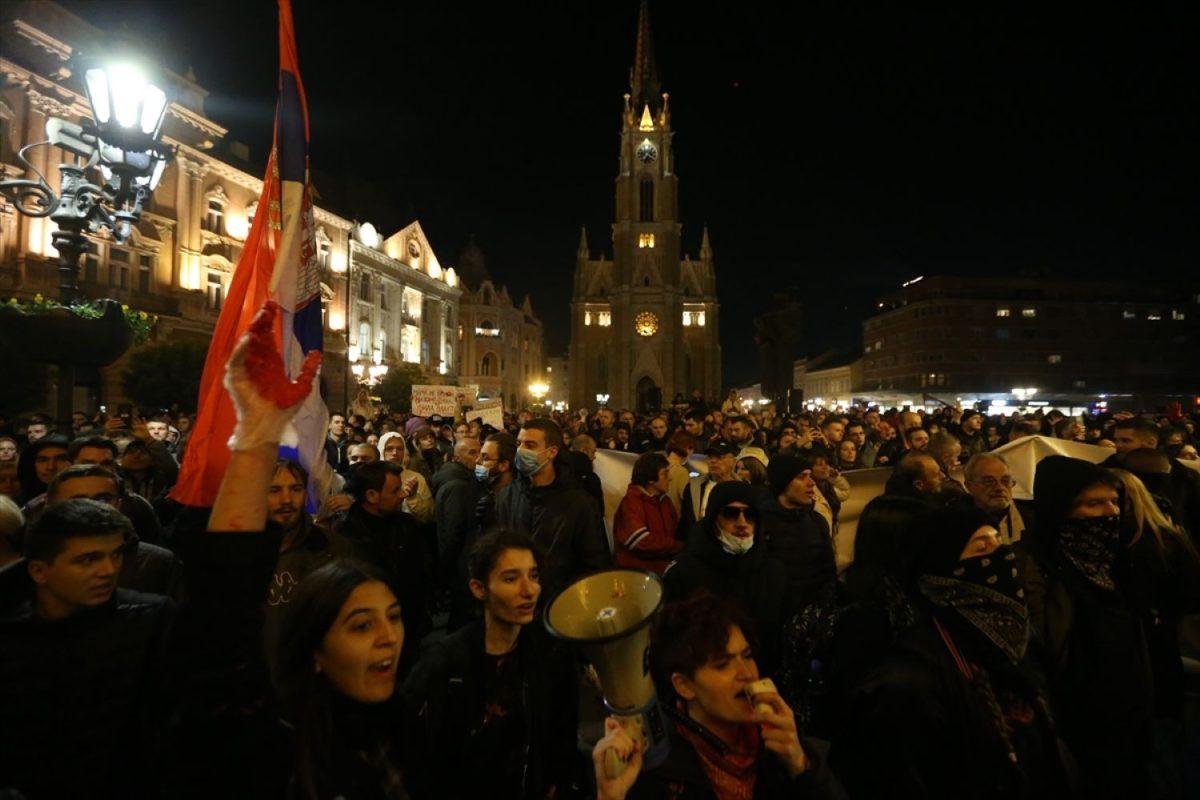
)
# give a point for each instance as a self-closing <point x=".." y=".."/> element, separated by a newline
<point x="731" y="735"/>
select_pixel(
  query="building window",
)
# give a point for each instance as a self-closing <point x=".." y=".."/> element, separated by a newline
<point x="1080" y="384"/>
<point x="687" y="319"/>
<point x="587" y="318"/>
<point x="646" y="200"/>
<point x="215" y="291"/>
<point x="486" y="365"/>
<point x="1127" y="314"/>
<point x="383" y="301"/>
<point x="1178" y="316"/>
<point x="1154" y="316"/>
<point x="1029" y="313"/>
<point x="1002" y="334"/>
<point x="118" y="267"/>
<point x="145" y="263"/>
<point x="214" y="216"/>
<point x="486" y="328"/>
<point x="1054" y="358"/>
<point x="322" y="251"/>
<point x="251" y="210"/>
<point x="364" y="288"/>
<point x="425" y="352"/>
<point x="1003" y="312"/>
<point x="461" y="332"/>
<point x="604" y="319"/>
<point x="646" y="240"/>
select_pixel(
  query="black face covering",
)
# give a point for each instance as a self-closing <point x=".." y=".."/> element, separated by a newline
<point x="986" y="592"/>
<point x="1090" y="545"/>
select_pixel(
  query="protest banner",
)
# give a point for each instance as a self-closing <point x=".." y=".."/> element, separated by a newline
<point x="429" y="400"/>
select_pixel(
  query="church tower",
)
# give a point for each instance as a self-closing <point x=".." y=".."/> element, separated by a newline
<point x="644" y="323"/>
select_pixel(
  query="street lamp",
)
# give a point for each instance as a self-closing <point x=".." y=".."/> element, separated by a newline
<point x="538" y="390"/>
<point x="116" y="161"/>
<point x="368" y="372"/>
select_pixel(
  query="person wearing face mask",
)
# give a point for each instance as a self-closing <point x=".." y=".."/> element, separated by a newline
<point x="1076" y="566"/>
<point x="725" y="557"/>
<point x="546" y="500"/>
<point x="723" y="743"/>
<point x="496" y="702"/>
<point x="955" y="708"/>
<point x="797" y="535"/>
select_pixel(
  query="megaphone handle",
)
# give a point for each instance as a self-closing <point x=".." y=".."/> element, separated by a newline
<point x="614" y="765"/>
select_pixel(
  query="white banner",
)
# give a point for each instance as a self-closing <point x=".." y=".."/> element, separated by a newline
<point x="488" y="412"/>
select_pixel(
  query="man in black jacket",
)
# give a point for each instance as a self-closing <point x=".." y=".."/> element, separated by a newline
<point x="81" y="662"/>
<point x="797" y="535"/>
<point x="456" y="495"/>
<point x="545" y="501"/>
<point x="388" y="537"/>
<point x="725" y="558"/>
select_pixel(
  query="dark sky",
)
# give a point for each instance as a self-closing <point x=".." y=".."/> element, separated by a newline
<point x="839" y="148"/>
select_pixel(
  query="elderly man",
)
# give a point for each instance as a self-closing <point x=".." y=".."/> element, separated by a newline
<point x="990" y="489"/>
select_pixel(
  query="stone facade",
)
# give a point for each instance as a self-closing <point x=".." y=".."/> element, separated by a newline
<point x="179" y="261"/>
<point x="644" y="323"/>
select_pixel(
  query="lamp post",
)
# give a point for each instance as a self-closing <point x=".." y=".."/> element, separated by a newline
<point x="538" y="390"/>
<point x="367" y="373"/>
<point x="118" y="162"/>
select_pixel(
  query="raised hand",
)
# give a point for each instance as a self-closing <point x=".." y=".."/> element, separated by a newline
<point x="779" y="734"/>
<point x="258" y="384"/>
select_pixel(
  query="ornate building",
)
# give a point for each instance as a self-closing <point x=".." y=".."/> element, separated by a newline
<point x="501" y="344"/>
<point x="644" y="324"/>
<point x="180" y="259"/>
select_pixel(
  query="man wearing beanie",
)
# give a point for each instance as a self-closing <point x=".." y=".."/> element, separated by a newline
<point x="970" y="435"/>
<point x="1076" y="564"/>
<point x="797" y="535"/>
<point x="725" y="558"/>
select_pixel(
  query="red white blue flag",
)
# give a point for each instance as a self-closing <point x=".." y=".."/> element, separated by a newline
<point x="279" y="262"/>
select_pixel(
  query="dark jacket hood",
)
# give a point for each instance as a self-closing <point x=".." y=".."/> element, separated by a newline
<point x="1056" y="484"/>
<point x="723" y="494"/>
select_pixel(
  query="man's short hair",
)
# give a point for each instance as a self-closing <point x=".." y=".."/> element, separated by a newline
<point x="647" y="467"/>
<point x="298" y="472"/>
<point x="1140" y="426"/>
<point x="911" y="468"/>
<point x="71" y="519"/>
<point x="1027" y="428"/>
<point x="549" y="429"/>
<point x="971" y="468"/>
<point x="81" y="442"/>
<point x="941" y="442"/>
<point x="582" y="442"/>
<point x="695" y="415"/>
<point x="1063" y="427"/>
<point x="370" y="476"/>
<point x="742" y="419"/>
<point x="681" y="444"/>
<point x="508" y="445"/>
<point x="84" y="471"/>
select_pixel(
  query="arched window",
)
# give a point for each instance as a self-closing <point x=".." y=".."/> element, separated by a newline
<point x="486" y="365"/>
<point x="364" y="338"/>
<point x="383" y="343"/>
<point x="647" y="200"/>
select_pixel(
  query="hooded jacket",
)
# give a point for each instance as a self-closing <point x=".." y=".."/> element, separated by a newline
<point x="644" y="531"/>
<point x="1093" y="645"/>
<point x="562" y="520"/>
<point x="420" y="505"/>
<point x="755" y="579"/>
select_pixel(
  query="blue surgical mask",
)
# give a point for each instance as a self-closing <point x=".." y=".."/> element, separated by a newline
<point x="481" y="472"/>
<point x="528" y="463"/>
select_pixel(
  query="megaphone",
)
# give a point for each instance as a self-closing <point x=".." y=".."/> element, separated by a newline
<point x="609" y="614"/>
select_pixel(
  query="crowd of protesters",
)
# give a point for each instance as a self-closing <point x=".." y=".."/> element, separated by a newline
<point x="386" y="641"/>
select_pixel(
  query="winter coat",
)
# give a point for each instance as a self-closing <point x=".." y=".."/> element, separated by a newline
<point x="394" y="544"/>
<point x="644" y="531"/>
<point x="681" y="776"/>
<point x="82" y="711"/>
<point x="915" y="728"/>
<point x="755" y="579"/>
<point x="693" y="504"/>
<point x="799" y="539"/>
<point x="562" y="520"/>
<point x="457" y="493"/>
<point x="447" y="691"/>
<point x="311" y="549"/>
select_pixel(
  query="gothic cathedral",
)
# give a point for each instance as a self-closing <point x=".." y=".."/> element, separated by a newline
<point x="644" y="324"/>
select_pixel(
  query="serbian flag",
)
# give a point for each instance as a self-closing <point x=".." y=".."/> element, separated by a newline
<point x="278" y="262"/>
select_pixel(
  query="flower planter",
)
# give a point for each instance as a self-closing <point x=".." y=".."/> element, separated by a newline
<point x="60" y="336"/>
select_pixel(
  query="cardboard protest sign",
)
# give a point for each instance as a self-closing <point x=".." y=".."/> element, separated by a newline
<point x="429" y="400"/>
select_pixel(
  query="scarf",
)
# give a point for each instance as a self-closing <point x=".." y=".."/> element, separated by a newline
<point x="1090" y="545"/>
<point x="986" y="592"/>
<point x="732" y="773"/>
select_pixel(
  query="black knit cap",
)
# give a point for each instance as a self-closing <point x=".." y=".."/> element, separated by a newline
<point x="727" y="492"/>
<point x="783" y="469"/>
<point x="943" y="535"/>
<point x="1056" y="484"/>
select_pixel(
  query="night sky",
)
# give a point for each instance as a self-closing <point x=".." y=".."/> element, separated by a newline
<point x="837" y="148"/>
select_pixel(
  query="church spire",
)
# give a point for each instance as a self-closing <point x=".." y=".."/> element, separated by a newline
<point x="643" y="76"/>
<point x="583" y="252"/>
<point x="705" y="246"/>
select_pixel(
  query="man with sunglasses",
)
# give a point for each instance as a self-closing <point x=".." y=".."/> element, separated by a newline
<point x="990" y="489"/>
<point x="725" y="558"/>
